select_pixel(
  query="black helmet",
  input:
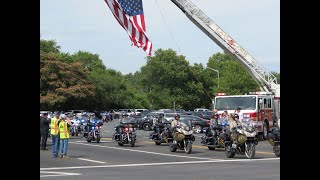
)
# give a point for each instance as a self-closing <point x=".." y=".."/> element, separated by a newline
<point x="177" y="115"/>
<point x="235" y="116"/>
<point x="215" y="115"/>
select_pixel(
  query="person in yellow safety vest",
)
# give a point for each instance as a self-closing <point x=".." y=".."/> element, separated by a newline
<point x="64" y="131"/>
<point x="54" y="131"/>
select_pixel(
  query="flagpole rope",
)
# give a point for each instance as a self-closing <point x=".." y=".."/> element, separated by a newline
<point x="179" y="48"/>
<point x="168" y="27"/>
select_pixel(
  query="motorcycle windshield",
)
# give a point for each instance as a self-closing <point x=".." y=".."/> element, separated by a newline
<point x="248" y="126"/>
<point x="186" y="124"/>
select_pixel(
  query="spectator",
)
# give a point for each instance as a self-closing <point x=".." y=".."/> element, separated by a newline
<point x="64" y="125"/>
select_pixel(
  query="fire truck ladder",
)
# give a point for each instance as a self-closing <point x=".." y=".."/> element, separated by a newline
<point x="266" y="80"/>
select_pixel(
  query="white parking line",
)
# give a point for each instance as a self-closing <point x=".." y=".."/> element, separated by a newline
<point x="166" y="163"/>
<point x="57" y="173"/>
<point x="148" y="152"/>
<point x="91" y="160"/>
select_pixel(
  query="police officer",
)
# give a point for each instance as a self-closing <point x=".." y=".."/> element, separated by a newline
<point x="174" y="123"/>
<point x="233" y="128"/>
<point x="44" y="130"/>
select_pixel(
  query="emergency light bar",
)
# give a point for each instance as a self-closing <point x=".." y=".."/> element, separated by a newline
<point x="260" y="93"/>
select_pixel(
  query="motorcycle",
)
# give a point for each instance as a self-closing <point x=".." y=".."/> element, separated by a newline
<point x="161" y="134"/>
<point x="83" y="130"/>
<point x="274" y="140"/>
<point x="217" y="138"/>
<point x="125" y="134"/>
<point x="94" y="133"/>
<point x="75" y="129"/>
<point x="184" y="138"/>
<point x="247" y="140"/>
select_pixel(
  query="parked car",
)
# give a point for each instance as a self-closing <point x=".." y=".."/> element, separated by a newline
<point x="203" y="114"/>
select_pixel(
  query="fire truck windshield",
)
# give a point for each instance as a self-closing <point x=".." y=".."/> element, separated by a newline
<point x="232" y="103"/>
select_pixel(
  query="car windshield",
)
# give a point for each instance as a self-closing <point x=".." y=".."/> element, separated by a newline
<point x="232" y="103"/>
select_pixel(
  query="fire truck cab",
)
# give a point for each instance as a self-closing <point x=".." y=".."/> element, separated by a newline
<point x="258" y="106"/>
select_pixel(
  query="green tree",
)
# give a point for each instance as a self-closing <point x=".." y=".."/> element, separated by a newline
<point x="49" y="46"/>
<point x="62" y="83"/>
<point x="89" y="60"/>
<point x="234" y="79"/>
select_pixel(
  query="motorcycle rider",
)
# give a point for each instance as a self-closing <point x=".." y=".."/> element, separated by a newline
<point x="94" y="121"/>
<point x="174" y="123"/>
<point x="157" y="121"/>
<point x="118" y="129"/>
<point x="234" y="124"/>
<point x="75" y="122"/>
<point x="213" y="124"/>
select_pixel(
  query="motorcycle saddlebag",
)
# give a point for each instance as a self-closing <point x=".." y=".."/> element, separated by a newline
<point x="242" y="139"/>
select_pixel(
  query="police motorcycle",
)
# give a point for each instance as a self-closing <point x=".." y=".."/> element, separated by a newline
<point x="274" y="139"/>
<point x="161" y="131"/>
<point x="125" y="133"/>
<point x="215" y="137"/>
<point x="94" y="131"/>
<point x="84" y="126"/>
<point x="183" y="137"/>
<point x="75" y="129"/>
<point x="247" y="139"/>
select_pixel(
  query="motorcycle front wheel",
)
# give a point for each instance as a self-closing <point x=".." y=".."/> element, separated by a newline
<point x="188" y="148"/>
<point x="276" y="150"/>
<point x="250" y="151"/>
<point x="157" y="143"/>
<point x="172" y="148"/>
<point x="229" y="152"/>
<point x="89" y="139"/>
<point x="132" y="142"/>
<point x="98" y="138"/>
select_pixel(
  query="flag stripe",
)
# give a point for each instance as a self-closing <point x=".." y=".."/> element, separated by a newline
<point x="134" y="25"/>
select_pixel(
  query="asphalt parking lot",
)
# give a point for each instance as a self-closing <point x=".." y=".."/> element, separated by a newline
<point x="107" y="160"/>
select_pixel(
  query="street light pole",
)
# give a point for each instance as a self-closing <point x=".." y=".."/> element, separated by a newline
<point x="217" y="72"/>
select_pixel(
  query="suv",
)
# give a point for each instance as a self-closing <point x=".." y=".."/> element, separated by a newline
<point x="197" y="123"/>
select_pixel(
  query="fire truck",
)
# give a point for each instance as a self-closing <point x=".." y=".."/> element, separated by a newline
<point x="257" y="106"/>
<point x="264" y="106"/>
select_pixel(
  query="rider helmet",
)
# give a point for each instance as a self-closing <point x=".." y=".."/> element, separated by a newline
<point x="235" y="116"/>
<point x="215" y="115"/>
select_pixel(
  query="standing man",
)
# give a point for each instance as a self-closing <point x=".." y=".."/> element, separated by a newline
<point x="44" y="130"/>
<point x="55" y="135"/>
<point x="238" y="111"/>
<point x="64" y="130"/>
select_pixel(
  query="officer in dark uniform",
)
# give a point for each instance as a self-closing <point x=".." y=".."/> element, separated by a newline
<point x="44" y="130"/>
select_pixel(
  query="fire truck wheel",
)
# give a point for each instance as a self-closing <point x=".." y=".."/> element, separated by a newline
<point x="265" y="131"/>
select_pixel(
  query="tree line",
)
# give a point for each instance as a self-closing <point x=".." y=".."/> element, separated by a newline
<point x="82" y="81"/>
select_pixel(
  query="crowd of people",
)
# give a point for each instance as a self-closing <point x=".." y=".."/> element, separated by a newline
<point x="59" y="127"/>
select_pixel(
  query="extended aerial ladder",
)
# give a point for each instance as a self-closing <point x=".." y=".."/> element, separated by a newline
<point x="266" y="80"/>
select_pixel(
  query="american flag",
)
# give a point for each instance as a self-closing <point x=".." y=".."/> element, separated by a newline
<point x="129" y="14"/>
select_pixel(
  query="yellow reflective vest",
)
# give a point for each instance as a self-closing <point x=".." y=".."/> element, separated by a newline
<point x="64" y="130"/>
<point x="54" y="126"/>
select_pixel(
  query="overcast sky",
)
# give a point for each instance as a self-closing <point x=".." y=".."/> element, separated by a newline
<point x="89" y="25"/>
